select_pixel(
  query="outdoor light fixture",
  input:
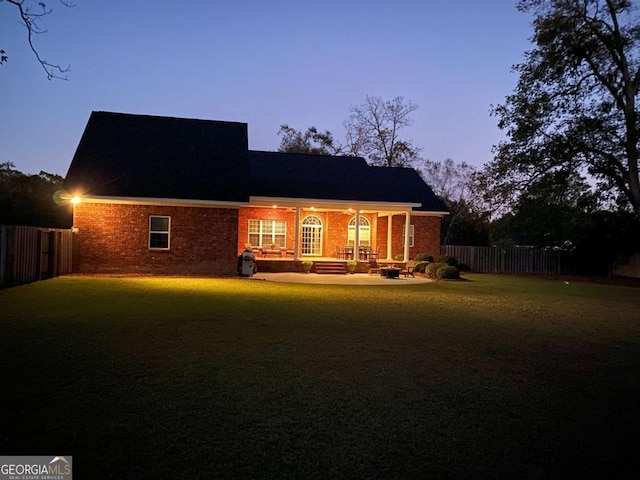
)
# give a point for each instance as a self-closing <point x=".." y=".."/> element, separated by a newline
<point x="75" y="200"/>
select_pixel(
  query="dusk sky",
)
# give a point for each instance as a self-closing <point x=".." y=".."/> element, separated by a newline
<point x="264" y="63"/>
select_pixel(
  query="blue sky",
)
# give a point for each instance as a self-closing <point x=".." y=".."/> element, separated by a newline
<point x="264" y="63"/>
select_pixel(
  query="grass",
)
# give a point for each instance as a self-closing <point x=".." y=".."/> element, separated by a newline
<point x="496" y="377"/>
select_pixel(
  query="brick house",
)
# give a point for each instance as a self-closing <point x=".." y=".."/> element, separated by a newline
<point x="183" y="196"/>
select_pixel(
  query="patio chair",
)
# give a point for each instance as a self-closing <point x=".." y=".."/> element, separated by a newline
<point x="374" y="255"/>
<point x="374" y="268"/>
<point x="339" y="253"/>
<point x="407" y="271"/>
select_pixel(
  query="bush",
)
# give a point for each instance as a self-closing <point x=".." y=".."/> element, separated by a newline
<point x="463" y="267"/>
<point x="441" y="271"/>
<point x="447" y="272"/>
<point x="420" y="267"/>
<point x="451" y="261"/>
<point x="399" y="257"/>
<point x="423" y="257"/>
<point x="431" y="269"/>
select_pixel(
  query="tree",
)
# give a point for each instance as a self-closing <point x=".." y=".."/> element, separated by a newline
<point x="32" y="199"/>
<point x="553" y="210"/>
<point x="311" y="141"/>
<point x="453" y="183"/>
<point x="30" y="18"/>
<point x="373" y="131"/>
<point x="574" y="108"/>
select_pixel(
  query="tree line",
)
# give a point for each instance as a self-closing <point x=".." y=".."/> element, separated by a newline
<point x="32" y="200"/>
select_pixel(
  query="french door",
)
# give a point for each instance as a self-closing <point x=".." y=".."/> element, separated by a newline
<point x="311" y="236"/>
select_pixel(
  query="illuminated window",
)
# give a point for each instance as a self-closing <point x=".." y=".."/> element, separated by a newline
<point x="404" y="229"/>
<point x="263" y="233"/>
<point x="365" y="232"/>
<point x="311" y="236"/>
<point x="159" y="228"/>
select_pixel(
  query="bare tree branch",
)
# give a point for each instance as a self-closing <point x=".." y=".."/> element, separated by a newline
<point x="30" y="20"/>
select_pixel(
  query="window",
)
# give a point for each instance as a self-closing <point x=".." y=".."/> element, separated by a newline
<point x="365" y="232"/>
<point x="159" y="228"/>
<point x="311" y="236"/>
<point x="410" y="234"/>
<point x="263" y="233"/>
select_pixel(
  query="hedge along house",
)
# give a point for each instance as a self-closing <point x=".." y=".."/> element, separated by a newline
<point x="170" y="195"/>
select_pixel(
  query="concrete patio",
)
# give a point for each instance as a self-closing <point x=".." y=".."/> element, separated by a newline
<point x="349" y="279"/>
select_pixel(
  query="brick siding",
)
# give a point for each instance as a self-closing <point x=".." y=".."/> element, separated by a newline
<point x="115" y="239"/>
<point x="426" y="235"/>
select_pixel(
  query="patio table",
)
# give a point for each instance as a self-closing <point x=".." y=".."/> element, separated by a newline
<point x="268" y="251"/>
<point x="347" y="253"/>
<point x="390" y="272"/>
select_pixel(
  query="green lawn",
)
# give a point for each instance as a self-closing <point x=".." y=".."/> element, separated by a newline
<point x="495" y="377"/>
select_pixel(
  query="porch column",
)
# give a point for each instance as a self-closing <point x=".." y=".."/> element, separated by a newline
<point x="389" y="235"/>
<point x="296" y="239"/>
<point x="407" y="229"/>
<point x="356" y="240"/>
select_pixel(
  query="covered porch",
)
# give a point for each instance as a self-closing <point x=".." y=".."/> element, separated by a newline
<point x="290" y="230"/>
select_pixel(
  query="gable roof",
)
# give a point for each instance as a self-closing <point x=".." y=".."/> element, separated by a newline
<point x="294" y="175"/>
<point x="147" y="157"/>
<point x="124" y="155"/>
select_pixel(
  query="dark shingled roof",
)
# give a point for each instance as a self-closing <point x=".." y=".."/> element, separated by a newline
<point x="292" y="175"/>
<point x="123" y="155"/>
<point x="141" y="156"/>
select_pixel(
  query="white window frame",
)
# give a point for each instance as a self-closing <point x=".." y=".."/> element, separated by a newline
<point x="312" y="233"/>
<point x="411" y="233"/>
<point x="273" y="231"/>
<point x="365" y="232"/>
<point x="166" y="232"/>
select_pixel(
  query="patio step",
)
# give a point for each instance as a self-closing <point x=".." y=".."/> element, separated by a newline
<point x="335" y="268"/>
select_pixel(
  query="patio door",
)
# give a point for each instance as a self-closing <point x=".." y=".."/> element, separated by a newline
<point x="311" y="236"/>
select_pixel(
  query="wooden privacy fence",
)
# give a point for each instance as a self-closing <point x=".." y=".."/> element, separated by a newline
<point x="627" y="267"/>
<point x="507" y="260"/>
<point x="28" y="254"/>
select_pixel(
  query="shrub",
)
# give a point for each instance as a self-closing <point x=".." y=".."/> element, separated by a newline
<point x="463" y="267"/>
<point x="448" y="260"/>
<point x="423" y="257"/>
<point x="420" y="267"/>
<point x="399" y="257"/>
<point x="432" y="269"/>
<point x="447" y="272"/>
